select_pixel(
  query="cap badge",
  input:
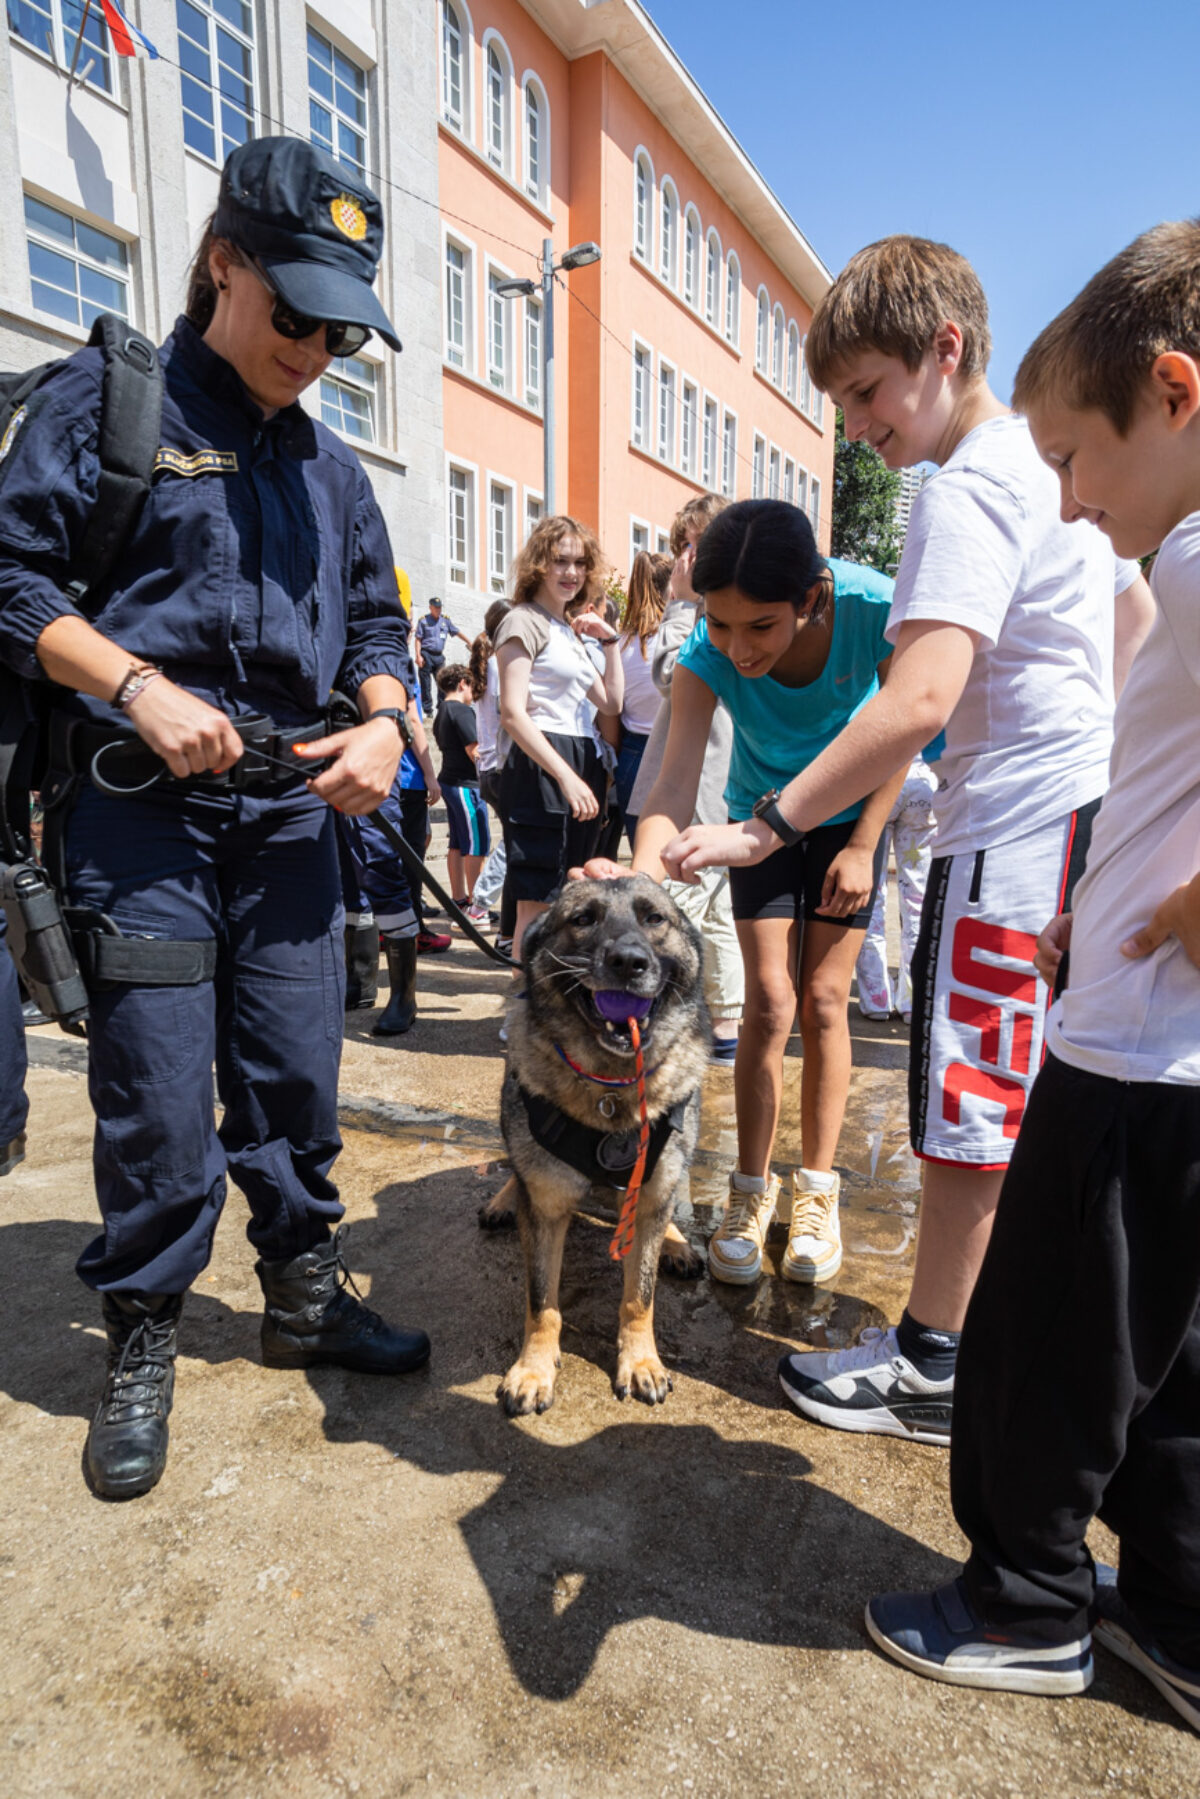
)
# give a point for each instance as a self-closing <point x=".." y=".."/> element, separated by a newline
<point x="349" y="218"/>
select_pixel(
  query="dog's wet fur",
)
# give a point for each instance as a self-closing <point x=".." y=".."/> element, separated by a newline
<point x="627" y="936"/>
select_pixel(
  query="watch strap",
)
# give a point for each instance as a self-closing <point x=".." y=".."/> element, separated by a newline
<point x="771" y="815"/>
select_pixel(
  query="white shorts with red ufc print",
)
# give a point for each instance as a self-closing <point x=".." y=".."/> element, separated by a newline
<point x="979" y="1009"/>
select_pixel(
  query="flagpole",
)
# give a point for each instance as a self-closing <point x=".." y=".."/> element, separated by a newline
<point x="87" y="7"/>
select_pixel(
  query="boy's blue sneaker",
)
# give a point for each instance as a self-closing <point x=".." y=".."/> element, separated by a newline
<point x="1118" y="1631"/>
<point x="941" y="1635"/>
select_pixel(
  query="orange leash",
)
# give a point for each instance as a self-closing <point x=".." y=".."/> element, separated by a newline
<point x="622" y="1241"/>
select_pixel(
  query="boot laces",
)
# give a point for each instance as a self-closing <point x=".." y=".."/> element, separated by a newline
<point x="140" y="1369"/>
<point x="336" y="1280"/>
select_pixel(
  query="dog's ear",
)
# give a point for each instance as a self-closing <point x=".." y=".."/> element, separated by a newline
<point x="533" y="936"/>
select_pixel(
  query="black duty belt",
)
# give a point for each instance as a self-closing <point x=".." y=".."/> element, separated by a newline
<point x="116" y="760"/>
<point x="604" y="1157"/>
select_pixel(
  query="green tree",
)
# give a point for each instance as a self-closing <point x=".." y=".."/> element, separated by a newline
<point x="864" y="503"/>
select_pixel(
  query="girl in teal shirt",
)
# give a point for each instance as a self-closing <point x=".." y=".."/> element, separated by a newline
<point x="792" y="645"/>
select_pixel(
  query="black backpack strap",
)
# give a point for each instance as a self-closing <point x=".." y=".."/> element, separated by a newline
<point x="130" y="433"/>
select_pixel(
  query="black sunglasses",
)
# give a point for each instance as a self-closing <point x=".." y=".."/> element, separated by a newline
<point x="340" y="339"/>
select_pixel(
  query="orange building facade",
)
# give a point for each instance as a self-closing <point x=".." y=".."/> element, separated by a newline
<point x="679" y="356"/>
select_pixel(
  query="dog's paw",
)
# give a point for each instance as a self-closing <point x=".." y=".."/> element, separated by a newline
<point x="640" y="1373"/>
<point x="527" y="1387"/>
<point x="677" y="1257"/>
<point x="500" y="1211"/>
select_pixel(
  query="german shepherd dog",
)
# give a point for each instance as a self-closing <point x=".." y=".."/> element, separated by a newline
<point x="605" y="952"/>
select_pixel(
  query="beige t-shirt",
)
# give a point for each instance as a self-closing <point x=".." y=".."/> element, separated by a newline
<point x="561" y="672"/>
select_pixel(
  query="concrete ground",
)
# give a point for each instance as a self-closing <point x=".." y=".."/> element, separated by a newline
<point x="386" y="1587"/>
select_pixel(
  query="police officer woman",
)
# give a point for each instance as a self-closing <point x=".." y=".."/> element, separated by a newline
<point x="258" y="579"/>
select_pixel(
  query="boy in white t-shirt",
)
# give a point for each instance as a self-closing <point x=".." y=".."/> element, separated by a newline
<point x="1003" y="621"/>
<point x="1093" y="1405"/>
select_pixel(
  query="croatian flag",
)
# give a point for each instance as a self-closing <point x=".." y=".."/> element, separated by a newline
<point x="126" y="38"/>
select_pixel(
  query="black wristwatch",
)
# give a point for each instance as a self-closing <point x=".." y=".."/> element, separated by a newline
<point x="396" y="713"/>
<point x="767" y="808"/>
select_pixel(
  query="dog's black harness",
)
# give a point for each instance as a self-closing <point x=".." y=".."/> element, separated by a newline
<point x="603" y="1157"/>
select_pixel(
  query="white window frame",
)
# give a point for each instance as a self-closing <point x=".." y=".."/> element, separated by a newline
<point x="793" y="363"/>
<point x="536" y="185"/>
<point x="222" y="145"/>
<point x="80" y="260"/>
<point x="638" y="527"/>
<point x="801" y="487"/>
<point x="689" y="425"/>
<point x="531" y="310"/>
<point x="642" y="396"/>
<point x="778" y="345"/>
<point x="693" y="249"/>
<point x="733" y="300"/>
<point x="814" y="502"/>
<point x="460" y="120"/>
<point x="499" y="155"/>
<point x="710" y="443"/>
<point x="644" y="190"/>
<point x="806" y="386"/>
<point x="774" y="472"/>
<point x="467" y="250"/>
<point x="533" y="510"/>
<point x="456" y="465"/>
<point x="712" y="278"/>
<point x="666" y="410"/>
<point x="729" y="454"/>
<point x="97" y="45"/>
<point x="337" y="116"/>
<point x="662" y="541"/>
<point x="341" y="378"/>
<point x="668" y="233"/>
<point x="758" y="467"/>
<point x="789" y="480"/>
<point x="762" y="332"/>
<point x="501" y="369"/>
<point x="499" y="561"/>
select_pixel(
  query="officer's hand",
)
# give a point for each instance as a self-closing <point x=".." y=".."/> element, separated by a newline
<point x="191" y="736"/>
<point x="367" y="757"/>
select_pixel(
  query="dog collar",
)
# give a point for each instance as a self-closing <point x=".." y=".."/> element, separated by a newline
<point x="601" y="1080"/>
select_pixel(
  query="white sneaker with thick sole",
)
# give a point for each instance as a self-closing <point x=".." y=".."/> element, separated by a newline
<point x="735" y="1250"/>
<point x="871" y="1387"/>
<point x="814" y="1251"/>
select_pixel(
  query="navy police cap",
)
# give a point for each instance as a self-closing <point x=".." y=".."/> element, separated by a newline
<point x="316" y="228"/>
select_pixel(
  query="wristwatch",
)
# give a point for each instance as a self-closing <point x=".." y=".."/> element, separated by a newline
<point x="767" y="808"/>
<point x="400" y="717"/>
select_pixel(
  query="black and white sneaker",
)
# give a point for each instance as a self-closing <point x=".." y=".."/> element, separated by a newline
<point x="871" y="1387"/>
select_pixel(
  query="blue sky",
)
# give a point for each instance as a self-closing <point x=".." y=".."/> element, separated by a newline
<point x="1035" y="138"/>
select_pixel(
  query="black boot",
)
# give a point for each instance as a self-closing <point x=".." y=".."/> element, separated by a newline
<point x="400" y="1013"/>
<point x="362" y="966"/>
<point x="311" y="1321"/>
<point x="127" y="1444"/>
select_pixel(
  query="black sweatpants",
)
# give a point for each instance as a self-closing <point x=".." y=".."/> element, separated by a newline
<point x="1077" y="1389"/>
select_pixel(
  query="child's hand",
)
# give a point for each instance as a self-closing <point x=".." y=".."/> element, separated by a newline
<point x="1178" y="916"/>
<point x="1052" y="945"/>
<point x="848" y="882"/>
<point x="600" y="868"/>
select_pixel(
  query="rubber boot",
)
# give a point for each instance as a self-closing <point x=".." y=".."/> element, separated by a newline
<point x="362" y="966"/>
<point x="400" y="1013"/>
<point x="312" y="1321"/>
<point x="127" y="1444"/>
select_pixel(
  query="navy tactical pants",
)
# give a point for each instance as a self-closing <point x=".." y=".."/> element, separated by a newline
<point x="14" y="1107"/>
<point x="373" y="865"/>
<point x="259" y="874"/>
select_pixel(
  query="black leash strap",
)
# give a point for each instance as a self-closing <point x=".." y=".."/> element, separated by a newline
<point x="419" y="872"/>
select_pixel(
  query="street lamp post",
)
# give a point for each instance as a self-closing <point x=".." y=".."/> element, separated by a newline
<point x="577" y="257"/>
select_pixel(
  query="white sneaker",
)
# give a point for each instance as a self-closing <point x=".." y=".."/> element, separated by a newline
<point x="735" y="1250"/>
<point x="871" y="1387"/>
<point x="814" y="1251"/>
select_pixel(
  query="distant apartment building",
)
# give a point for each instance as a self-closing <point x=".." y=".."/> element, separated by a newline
<point x="912" y="480"/>
<point x="679" y="355"/>
<point x="107" y="184"/>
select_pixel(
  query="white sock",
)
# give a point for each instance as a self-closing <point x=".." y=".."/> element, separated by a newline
<point x="747" y="1183"/>
<point x="817" y="1182"/>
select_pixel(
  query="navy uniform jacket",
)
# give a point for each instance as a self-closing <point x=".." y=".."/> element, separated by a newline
<point x="432" y="634"/>
<point x="260" y="574"/>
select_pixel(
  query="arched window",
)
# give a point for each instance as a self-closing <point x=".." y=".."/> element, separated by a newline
<point x="691" y="256"/>
<point x="712" y="278"/>
<point x="762" y="335"/>
<point x="793" y="362"/>
<point x="733" y="301"/>
<point x="455" y="98"/>
<point x="643" y="204"/>
<point x="777" y="347"/>
<point x="806" y="386"/>
<point x="668" y="258"/>
<point x="537" y="142"/>
<point x="497" y="103"/>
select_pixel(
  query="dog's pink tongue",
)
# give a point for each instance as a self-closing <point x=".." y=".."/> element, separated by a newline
<point x="613" y="1005"/>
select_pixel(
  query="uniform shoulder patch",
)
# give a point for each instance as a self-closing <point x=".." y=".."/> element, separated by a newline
<point x="10" y="431"/>
<point x="200" y="462"/>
